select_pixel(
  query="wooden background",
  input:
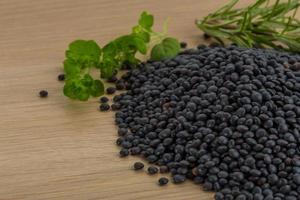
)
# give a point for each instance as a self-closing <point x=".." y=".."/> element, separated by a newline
<point x="55" y="148"/>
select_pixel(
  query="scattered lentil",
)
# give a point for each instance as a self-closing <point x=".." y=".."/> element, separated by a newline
<point x="112" y="79"/>
<point x="152" y="170"/>
<point x="183" y="45"/>
<point x="61" y="77"/>
<point x="163" y="181"/>
<point x="104" y="99"/>
<point x="138" y="166"/>
<point x="104" y="107"/>
<point x="110" y="90"/>
<point x="43" y="93"/>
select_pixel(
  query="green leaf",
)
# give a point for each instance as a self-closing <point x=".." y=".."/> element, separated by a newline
<point x="71" y="68"/>
<point x="168" y="48"/>
<point x="146" y="20"/>
<point x="110" y="50"/>
<point x="97" y="88"/>
<point x="85" y="52"/>
<point x="69" y="89"/>
<point x="138" y="31"/>
<point x="83" y="55"/>
<point x="81" y="89"/>
<point x="87" y="80"/>
<point x="107" y="71"/>
<point x="75" y="90"/>
<point x="82" y="93"/>
<point x="140" y="44"/>
<point x="120" y="50"/>
<point x="131" y="59"/>
<point x="131" y="42"/>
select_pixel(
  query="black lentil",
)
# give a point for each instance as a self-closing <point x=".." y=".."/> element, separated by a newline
<point x="214" y="44"/>
<point x="225" y="117"/>
<point x="120" y="85"/>
<point x="206" y="36"/>
<point x="179" y="178"/>
<point x="201" y="46"/>
<point x="61" y="77"/>
<point x="138" y="166"/>
<point x="104" y="99"/>
<point x="110" y="90"/>
<point x="104" y="107"/>
<point x="124" y="152"/>
<point x="163" y="169"/>
<point x="43" y="93"/>
<point x="115" y="106"/>
<point x="152" y="170"/>
<point x="112" y="79"/>
<point x="183" y="45"/>
<point x="163" y="181"/>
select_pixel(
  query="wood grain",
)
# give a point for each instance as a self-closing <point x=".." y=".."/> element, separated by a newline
<point x="54" y="148"/>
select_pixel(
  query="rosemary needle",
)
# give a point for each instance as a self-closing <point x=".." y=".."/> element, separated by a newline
<point x="263" y="24"/>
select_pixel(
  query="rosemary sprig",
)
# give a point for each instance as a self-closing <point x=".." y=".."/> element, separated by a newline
<point x="265" y="23"/>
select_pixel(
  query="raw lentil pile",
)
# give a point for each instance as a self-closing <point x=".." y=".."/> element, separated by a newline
<point x="226" y="118"/>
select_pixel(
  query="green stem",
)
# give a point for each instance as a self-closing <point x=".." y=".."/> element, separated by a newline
<point x="263" y="22"/>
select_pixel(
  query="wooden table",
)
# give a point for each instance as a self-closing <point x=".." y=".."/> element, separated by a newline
<point x="54" y="148"/>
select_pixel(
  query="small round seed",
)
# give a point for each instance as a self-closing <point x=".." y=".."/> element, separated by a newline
<point x="138" y="166"/>
<point x="112" y="79"/>
<point x="104" y="107"/>
<point x="163" y="181"/>
<point x="163" y="169"/>
<point x="61" y="77"/>
<point x="43" y="93"/>
<point x="206" y="36"/>
<point x="152" y="170"/>
<point x="124" y="152"/>
<point x="110" y="90"/>
<point x="104" y="99"/>
<point x="183" y="45"/>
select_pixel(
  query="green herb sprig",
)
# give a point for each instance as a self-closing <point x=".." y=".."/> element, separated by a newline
<point x="85" y="55"/>
<point x="263" y="23"/>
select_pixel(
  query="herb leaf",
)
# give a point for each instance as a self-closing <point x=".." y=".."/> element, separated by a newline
<point x="97" y="89"/>
<point x="84" y="55"/>
<point x="71" y="68"/>
<point x="82" y="88"/>
<point x="168" y="48"/>
<point x="137" y="31"/>
<point x="84" y="52"/>
<point x="146" y="21"/>
<point x="75" y="89"/>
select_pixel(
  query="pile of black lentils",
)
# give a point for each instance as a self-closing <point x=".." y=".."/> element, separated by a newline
<point x="226" y="118"/>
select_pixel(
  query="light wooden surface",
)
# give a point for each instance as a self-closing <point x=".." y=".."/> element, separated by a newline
<point x="54" y="148"/>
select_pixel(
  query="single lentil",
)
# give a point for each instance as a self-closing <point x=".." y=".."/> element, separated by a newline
<point x="138" y="166"/>
<point x="152" y="170"/>
<point x="163" y="181"/>
<point x="110" y="90"/>
<point x="104" y="107"/>
<point x="61" y="77"/>
<point x="43" y="93"/>
<point x="104" y="99"/>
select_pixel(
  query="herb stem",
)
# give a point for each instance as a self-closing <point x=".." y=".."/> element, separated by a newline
<point x="276" y="23"/>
